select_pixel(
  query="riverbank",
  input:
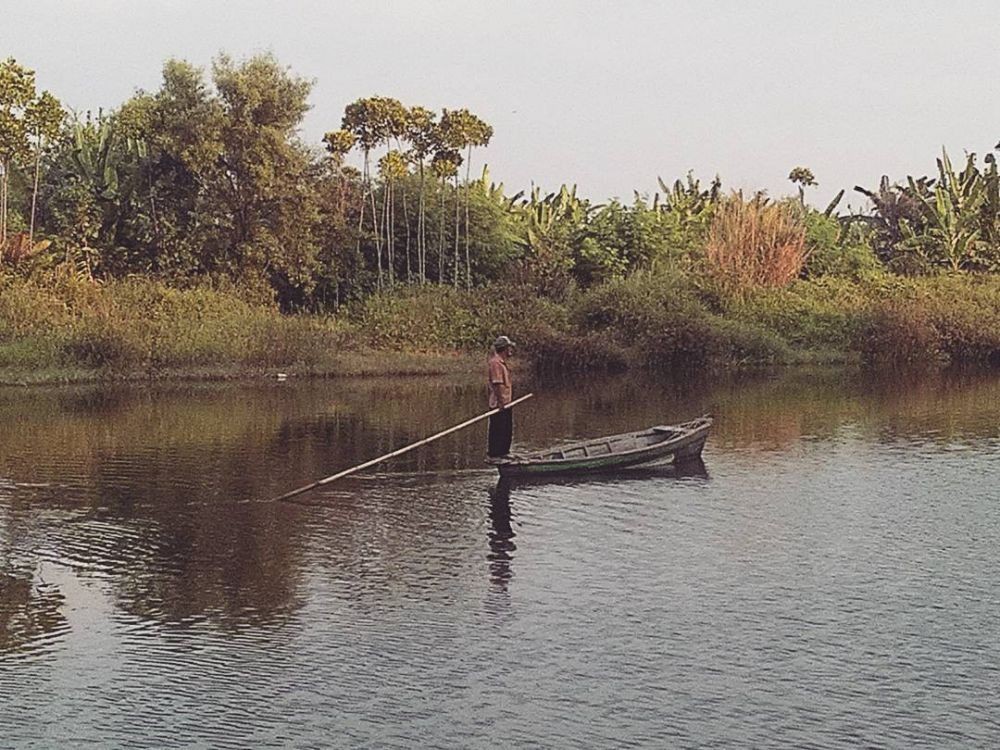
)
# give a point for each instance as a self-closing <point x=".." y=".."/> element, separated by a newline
<point x="65" y="329"/>
<point x="346" y="365"/>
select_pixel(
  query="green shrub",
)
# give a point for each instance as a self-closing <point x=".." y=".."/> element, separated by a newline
<point x="836" y="250"/>
<point x="738" y="343"/>
<point x="933" y="320"/>
<point x="822" y="314"/>
<point x="558" y="352"/>
<point x="100" y="347"/>
<point x="899" y="334"/>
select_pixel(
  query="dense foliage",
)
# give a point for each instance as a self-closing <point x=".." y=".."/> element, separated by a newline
<point x="204" y="187"/>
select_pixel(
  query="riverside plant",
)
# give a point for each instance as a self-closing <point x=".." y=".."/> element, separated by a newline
<point x="754" y="243"/>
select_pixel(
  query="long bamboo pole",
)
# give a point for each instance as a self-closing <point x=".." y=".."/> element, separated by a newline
<point x="399" y="451"/>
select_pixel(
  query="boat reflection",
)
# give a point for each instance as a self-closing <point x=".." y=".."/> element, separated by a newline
<point x="690" y="469"/>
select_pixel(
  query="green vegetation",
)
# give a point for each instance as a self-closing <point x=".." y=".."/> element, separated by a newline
<point x="192" y="230"/>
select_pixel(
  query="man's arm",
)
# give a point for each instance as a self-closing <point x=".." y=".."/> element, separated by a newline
<point x="496" y="382"/>
<point x="498" y="392"/>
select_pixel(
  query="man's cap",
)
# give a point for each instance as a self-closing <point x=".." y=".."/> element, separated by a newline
<point x="503" y="342"/>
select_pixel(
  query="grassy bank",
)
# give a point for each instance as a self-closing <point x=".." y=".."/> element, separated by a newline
<point x="60" y="328"/>
<point x="679" y="321"/>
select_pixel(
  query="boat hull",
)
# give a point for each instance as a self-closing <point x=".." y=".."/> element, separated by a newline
<point x="682" y="443"/>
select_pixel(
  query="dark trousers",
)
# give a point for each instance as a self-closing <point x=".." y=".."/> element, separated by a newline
<point x="501" y="433"/>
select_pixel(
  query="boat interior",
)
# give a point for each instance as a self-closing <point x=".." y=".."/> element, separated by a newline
<point x="609" y="445"/>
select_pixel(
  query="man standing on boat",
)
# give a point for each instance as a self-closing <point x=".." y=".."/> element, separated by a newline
<point x="501" y="393"/>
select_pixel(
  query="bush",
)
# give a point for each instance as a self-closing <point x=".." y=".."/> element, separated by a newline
<point x="439" y="317"/>
<point x="898" y="334"/>
<point x="664" y="320"/>
<point x="97" y="347"/>
<point x="61" y="320"/>
<point x="836" y="250"/>
<point x="557" y="352"/>
<point x="921" y="322"/>
<point x="822" y="314"/>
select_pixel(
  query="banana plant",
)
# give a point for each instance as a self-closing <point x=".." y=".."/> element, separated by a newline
<point x="687" y="199"/>
<point x="952" y="206"/>
<point x="544" y="217"/>
<point x="990" y="212"/>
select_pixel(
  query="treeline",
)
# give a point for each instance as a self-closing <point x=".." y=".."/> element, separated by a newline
<point x="206" y="180"/>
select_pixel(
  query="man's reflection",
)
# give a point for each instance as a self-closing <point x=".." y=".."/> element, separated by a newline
<point x="501" y="535"/>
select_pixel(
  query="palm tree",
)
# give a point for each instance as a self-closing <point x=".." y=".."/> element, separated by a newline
<point x="463" y="131"/>
<point x="392" y="168"/>
<point x="362" y="120"/>
<point x="43" y="117"/>
<point x="444" y="164"/>
<point x="420" y="133"/>
<point x="803" y="177"/>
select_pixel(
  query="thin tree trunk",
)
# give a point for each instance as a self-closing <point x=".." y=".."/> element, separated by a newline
<point x="377" y="229"/>
<point x="458" y="206"/>
<point x="468" y="177"/>
<point x="406" y="223"/>
<point x="441" y="237"/>
<point x="421" y="227"/>
<point x="34" y="194"/>
<point x="3" y="203"/>
<point x="365" y="192"/>
<point x="390" y="255"/>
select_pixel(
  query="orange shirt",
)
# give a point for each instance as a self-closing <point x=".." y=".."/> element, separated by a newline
<point x="499" y="375"/>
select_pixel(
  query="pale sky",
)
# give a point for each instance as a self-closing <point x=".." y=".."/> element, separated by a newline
<point x="607" y="95"/>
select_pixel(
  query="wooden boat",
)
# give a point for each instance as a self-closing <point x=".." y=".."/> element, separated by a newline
<point x="659" y="444"/>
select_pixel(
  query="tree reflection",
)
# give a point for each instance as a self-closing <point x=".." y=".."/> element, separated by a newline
<point x="29" y="612"/>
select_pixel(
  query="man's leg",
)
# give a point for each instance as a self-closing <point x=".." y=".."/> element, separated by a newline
<point x="507" y="416"/>
<point x="494" y="449"/>
<point x="501" y="434"/>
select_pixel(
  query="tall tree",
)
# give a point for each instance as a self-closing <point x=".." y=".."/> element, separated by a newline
<point x="392" y="168"/>
<point x="464" y="131"/>
<point x="17" y="91"/>
<point x="445" y="165"/>
<point x="339" y="144"/>
<point x="266" y="170"/>
<point x="364" y="119"/>
<point x="393" y="125"/>
<point x="44" y="118"/>
<point x="182" y="126"/>
<point x="421" y="133"/>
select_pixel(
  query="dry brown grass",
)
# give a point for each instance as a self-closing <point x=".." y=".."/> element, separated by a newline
<point x="755" y="243"/>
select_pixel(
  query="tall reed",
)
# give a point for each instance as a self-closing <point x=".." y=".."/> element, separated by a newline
<point x="755" y="243"/>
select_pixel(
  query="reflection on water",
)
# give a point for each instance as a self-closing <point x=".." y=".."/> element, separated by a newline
<point x="30" y="612"/>
<point x="501" y="534"/>
<point x="826" y="576"/>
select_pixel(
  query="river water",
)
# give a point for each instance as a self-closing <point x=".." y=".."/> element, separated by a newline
<point x="829" y="577"/>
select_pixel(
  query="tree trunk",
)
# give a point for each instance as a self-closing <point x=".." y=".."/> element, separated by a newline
<point x="421" y="235"/>
<point x="441" y="237"/>
<point x="406" y="223"/>
<point x="366" y="191"/>
<point x="34" y="194"/>
<point x="3" y="203"/>
<point x="387" y="225"/>
<point x="468" y="177"/>
<point x="458" y="206"/>
<point x="376" y="228"/>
